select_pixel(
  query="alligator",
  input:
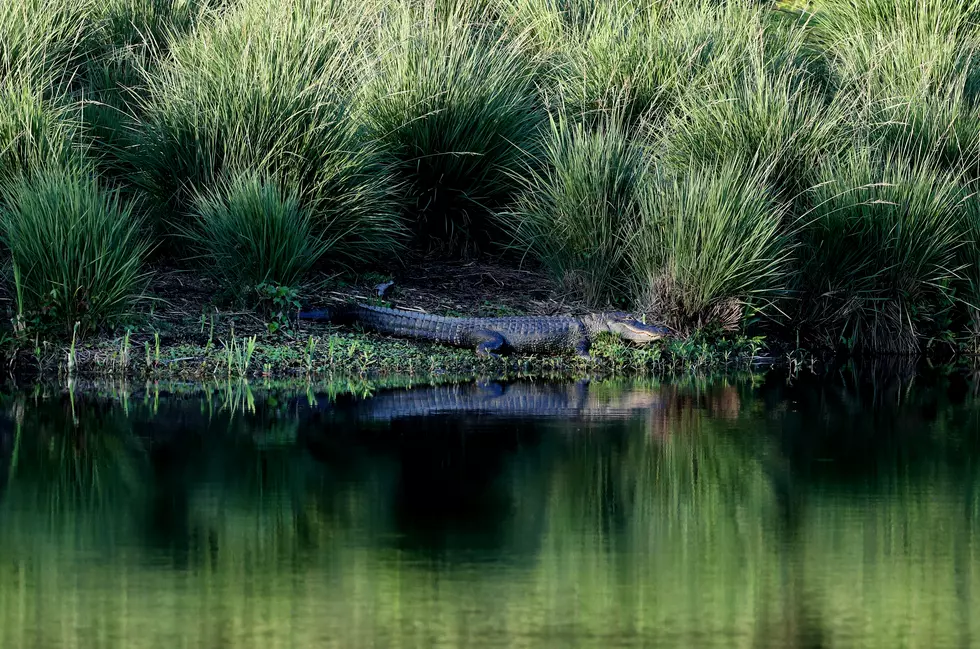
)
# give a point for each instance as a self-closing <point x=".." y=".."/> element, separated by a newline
<point x="521" y="334"/>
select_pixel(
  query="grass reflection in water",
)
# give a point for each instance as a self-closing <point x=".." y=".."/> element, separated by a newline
<point x="737" y="513"/>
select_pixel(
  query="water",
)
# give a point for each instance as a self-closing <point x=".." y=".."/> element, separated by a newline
<point x="839" y="512"/>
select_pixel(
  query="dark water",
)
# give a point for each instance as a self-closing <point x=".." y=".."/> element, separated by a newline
<point x="751" y="512"/>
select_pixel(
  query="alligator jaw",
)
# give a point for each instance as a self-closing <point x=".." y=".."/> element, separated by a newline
<point x="641" y="335"/>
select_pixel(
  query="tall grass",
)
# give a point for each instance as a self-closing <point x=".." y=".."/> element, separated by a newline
<point x="647" y="57"/>
<point x="624" y="57"/>
<point x="454" y="102"/>
<point x="43" y="40"/>
<point x="968" y="259"/>
<point x="276" y="133"/>
<point x="278" y="99"/>
<point x="128" y="37"/>
<point x="879" y="251"/>
<point x="912" y="68"/>
<point x="712" y="243"/>
<point x="77" y="247"/>
<point x="898" y="45"/>
<point x="249" y="232"/>
<point x="579" y="208"/>
<point x="767" y="116"/>
<point x="34" y="129"/>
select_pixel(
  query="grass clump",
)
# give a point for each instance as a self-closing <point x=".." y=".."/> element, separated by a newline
<point x="898" y="46"/>
<point x="454" y="102"/>
<point x="911" y="68"/>
<point x="129" y="38"/>
<point x="579" y="208"/>
<point x="773" y="120"/>
<point x="76" y="249"/>
<point x="280" y="99"/>
<point x="647" y="57"/>
<point x="712" y="243"/>
<point x="879" y="252"/>
<point x="34" y="130"/>
<point x="43" y="40"/>
<point x="624" y="57"/>
<point x="251" y="232"/>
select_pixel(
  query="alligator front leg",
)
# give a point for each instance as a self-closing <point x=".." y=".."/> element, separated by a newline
<point x="488" y="343"/>
<point x="582" y="349"/>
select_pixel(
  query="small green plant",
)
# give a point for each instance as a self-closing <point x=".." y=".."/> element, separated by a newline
<point x="238" y="354"/>
<point x="124" y="351"/>
<point x="310" y="354"/>
<point x="72" y="358"/>
<point x="278" y="303"/>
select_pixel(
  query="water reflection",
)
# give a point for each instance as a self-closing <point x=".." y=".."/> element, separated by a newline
<point x="758" y="512"/>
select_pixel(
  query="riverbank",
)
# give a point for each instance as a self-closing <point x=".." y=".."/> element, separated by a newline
<point x="805" y="168"/>
<point x="181" y="332"/>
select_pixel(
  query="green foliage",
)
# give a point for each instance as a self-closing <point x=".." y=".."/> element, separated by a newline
<point x="34" y="130"/>
<point x="939" y="128"/>
<point x="625" y="57"/>
<point x="42" y="40"/>
<point x="128" y="37"/>
<point x="711" y="243"/>
<point x="645" y="57"/>
<point x="454" y="102"/>
<point x="879" y="251"/>
<point x="912" y="69"/>
<point x="772" y="119"/>
<point x="279" y="303"/>
<point x="77" y="248"/>
<point x="898" y="47"/>
<point x="249" y="232"/>
<point x="579" y="208"/>
<point x="280" y="101"/>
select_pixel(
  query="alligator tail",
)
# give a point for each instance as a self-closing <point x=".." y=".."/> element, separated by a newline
<point x="318" y="315"/>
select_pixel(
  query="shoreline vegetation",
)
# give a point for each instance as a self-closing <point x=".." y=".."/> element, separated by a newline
<point x="178" y="177"/>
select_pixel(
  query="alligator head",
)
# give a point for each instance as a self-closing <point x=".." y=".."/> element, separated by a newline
<point x="625" y="326"/>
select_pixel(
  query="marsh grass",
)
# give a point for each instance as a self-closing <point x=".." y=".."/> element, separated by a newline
<point x="128" y="38"/>
<point x="453" y="100"/>
<point x="579" y="207"/>
<point x="898" y="45"/>
<point x="281" y="100"/>
<point x="773" y="120"/>
<point x="879" y="251"/>
<point x="43" y="40"/>
<point x="647" y="58"/>
<point x="78" y="249"/>
<point x="624" y="57"/>
<point x="911" y="68"/>
<point x="249" y="231"/>
<point x="712" y="243"/>
<point x="280" y="133"/>
<point x="34" y="130"/>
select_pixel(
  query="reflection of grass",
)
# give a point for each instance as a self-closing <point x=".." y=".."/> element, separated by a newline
<point x="74" y="458"/>
<point x="652" y="531"/>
